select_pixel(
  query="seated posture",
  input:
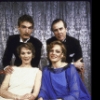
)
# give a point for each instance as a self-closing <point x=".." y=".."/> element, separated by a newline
<point x="74" y="50"/>
<point x="61" y="81"/>
<point x="25" y="81"/>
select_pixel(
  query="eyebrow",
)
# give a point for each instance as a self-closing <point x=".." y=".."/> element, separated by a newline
<point x="26" y="26"/>
<point x="58" y="28"/>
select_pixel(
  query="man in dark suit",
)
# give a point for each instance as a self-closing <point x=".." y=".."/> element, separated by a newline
<point x="74" y="51"/>
<point x="25" y="27"/>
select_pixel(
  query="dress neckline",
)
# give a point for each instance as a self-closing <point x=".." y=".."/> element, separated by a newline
<point x="58" y="70"/>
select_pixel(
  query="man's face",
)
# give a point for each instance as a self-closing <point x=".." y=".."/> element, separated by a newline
<point x="59" y="30"/>
<point x="25" y="30"/>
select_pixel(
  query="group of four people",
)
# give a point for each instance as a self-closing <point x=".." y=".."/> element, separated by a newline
<point x="60" y="80"/>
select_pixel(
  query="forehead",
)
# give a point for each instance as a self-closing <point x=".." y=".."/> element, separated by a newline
<point x="25" y="49"/>
<point x="26" y="23"/>
<point x="58" y="24"/>
<point x="56" y="46"/>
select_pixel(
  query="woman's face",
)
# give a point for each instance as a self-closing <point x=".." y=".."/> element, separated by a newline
<point x="55" y="54"/>
<point x="26" y="55"/>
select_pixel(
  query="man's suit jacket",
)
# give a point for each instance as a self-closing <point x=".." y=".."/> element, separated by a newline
<point x="73" y="47"/>
<point x="12" y="43"/>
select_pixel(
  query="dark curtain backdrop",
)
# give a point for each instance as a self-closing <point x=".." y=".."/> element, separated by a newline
<point x="77" y="15"/>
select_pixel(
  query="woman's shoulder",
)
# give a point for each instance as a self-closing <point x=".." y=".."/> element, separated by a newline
<point x="34" y="68"/>
<point x="71" y="69"/>
<point x="37" y="70"/>
<point x="15" y="67"/>
<point x="46" y="67"/>
<point x="70" y="66"/>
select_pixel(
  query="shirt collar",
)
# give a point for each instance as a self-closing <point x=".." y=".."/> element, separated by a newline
<point x="24" y="41"/>
<point x="64" y="40"/>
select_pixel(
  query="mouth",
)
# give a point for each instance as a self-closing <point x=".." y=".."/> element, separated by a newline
<point x="53" y="57"/>
<point x="26" y="59"/>
<point x="26" y="35"/>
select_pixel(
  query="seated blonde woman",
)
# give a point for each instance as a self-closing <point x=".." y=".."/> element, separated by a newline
<point x="25" y="81"/>
<point x="61" y="80"/>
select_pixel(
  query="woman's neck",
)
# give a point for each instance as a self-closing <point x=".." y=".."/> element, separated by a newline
<point x="25" y="65"/>
<point x="58" y="64"/>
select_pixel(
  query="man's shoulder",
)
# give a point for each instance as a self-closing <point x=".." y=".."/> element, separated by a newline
<point x="70" y="38"/>
<point x="35" y="40"/>
<point x="51" y="38"/>
<point x="13" y="37"/>
<point x="48" y="41"/>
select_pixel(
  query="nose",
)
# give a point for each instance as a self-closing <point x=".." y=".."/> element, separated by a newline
<point x="58" y="31"/>
<point x="27" y="30"/>
<point x="26" y="55"/>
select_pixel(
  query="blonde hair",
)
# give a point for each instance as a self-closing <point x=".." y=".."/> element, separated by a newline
<point x="51" y="45"/>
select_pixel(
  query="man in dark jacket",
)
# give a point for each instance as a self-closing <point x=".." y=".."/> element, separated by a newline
<point x="25" y="27"/>
<point x="74" y="51"/>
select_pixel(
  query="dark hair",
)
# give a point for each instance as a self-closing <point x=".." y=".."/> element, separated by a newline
<point x="27" y="18"/>
<point x="27" y="45"/>
<point x="56" y="21"/>
<point x="52" y="44"/>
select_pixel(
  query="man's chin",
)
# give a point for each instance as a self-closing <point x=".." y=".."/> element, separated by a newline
<point x="25" y="38"/>
<point x="60" y="39"/>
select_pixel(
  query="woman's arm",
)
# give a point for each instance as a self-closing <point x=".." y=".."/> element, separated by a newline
<point x="37" y="84"/>
<point x="4" y="88"/>
<point x="40" y="98"/>
<point x="73" y="84"/>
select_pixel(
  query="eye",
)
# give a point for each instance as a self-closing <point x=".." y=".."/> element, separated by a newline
<point x="55" y="30"/>
<point x="23" y="27"/>
<point x="57" y="51"/>
<point x="22" y="53"/>
<point x="61" y="28"/>
<point x="29" y="52"/>
<point x="30" y="27"/>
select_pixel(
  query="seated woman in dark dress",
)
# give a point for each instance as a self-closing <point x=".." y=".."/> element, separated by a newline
<point x="61" y="81"/>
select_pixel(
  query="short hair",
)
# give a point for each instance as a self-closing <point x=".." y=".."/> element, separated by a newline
<point x="52" y="44"/>
<point x="27" y="18"/>
<point x="56" y="21"/>
<point x="27" y="45"/>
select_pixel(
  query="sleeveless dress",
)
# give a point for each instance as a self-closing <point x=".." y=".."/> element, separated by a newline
<point x="22" y="81"/>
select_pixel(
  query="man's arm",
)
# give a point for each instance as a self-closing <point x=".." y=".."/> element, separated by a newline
<point x="6" y="60"/>
<point x="79" y="64"/>
<point x="36" y="59"/>
<point x="78" y="59"/>
<point x="78" y="51"/>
